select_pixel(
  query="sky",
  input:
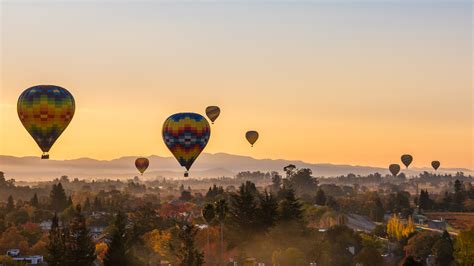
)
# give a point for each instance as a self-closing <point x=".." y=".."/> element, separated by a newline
<point x="346" y="82"/>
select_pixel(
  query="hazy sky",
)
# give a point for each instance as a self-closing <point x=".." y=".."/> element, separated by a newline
<point x="343" y="82"/>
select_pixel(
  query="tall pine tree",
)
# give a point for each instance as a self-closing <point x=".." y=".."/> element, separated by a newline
<point x="117" y="251"/>
<point x="56" y="246"/>
<point x="58" y="199"/>
<point x="289" y="207"/>
<point x="34" y="201"/>
<point x="80" y="249"/>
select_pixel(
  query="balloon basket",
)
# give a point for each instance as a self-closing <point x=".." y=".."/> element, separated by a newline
<point x="45" y="156"/>
<point x="186" y="174"/>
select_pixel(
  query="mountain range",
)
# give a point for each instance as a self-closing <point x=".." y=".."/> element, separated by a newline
<point x="207" y="166"/>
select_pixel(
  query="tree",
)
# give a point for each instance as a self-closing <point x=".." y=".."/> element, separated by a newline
<point x="276" y="182"/>
<point x="87" y="205"/>
<point x="425" y="202"/>
<point x="222" y="209"/>
<point x="420" y="245"/>
<point x="443" y="250"/>
<point x="289" y="207"/>
<point x="368" y="256"/>
<point x="208" y="213"/>
<point x="10" y="204"/>
<point x="58" y="199"/>
<point x="458" y="196"/>
<point x="410" y="261"/>
<point x="7" y="261"/>
<point x="186" y="195"/>
<point x="34" y="201"/>
<point x="244" y="211"/>
<point x="464" y="247"/>
<point x="56" y="245"/>
<point x="117" y="247"/>
<point x="302" y="181"/>
<point x="268" y="211"/>
<point x="289" y="257"/>
<point x="185" y="249"/>
<point x="320" y="197"/>
<point x="80" y="249"/>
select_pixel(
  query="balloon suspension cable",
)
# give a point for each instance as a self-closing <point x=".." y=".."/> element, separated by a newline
<point x="45" y="156"/>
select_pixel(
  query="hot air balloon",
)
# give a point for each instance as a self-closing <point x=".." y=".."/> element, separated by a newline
<point x="407" y="159"/>
<point x="435" y="165"/>
<point x="142" y="164"/>
<point x="213" y="113"/>
<point x="394" y="169"/>
<point x="186" y="135"/>
<point x="251" y="136"/>
<point x="45" y="111"/>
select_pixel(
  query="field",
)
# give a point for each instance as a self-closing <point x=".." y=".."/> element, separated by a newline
<point x="458" y="220"/>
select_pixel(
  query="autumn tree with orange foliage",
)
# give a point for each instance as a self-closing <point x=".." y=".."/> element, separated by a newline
<point x="397" y="229"/>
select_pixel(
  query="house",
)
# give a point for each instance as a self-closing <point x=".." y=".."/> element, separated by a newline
<point x="13" y="252"/>
<point x="437" y="224"/>
<point x="28" y="260"/>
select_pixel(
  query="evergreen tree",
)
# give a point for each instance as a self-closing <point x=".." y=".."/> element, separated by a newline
<point x="443" y="250"/>
<point x="243" y="211"/>
<point x="458" y="196"/>
<point x="97" y="205"/>
<point x="80" y="249"/>
<point x="69" y="201"/>
<point x="56" y="245"/>
<point x="87" y="205"/>
<point x="34" y="201"/>
<point x="221" y="213"/>
<point x="185" y="250"/>
<point x="117" y="252"/>
<point x="208" y="213"/>
<point x="289" y="207"/>
<point x="268" y="211"/>
<point x="58" y="198"/>
<point x="320" y="197"/>
<point x="10" y="204"/>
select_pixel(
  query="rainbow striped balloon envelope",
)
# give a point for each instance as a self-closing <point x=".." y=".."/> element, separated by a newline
<point x="45" y="111"/>
<point x="186" y="135"/>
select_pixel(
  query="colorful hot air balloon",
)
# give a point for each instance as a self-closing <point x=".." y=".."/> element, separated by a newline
<point x="45" y="111"/>
<point x="394" y="169"/>
<point x="435" y="165"/>
<point x="186" y="135"/>
<point x="407" y="159"/>
<point x="213" y="113"/>
<point x="142" y="164"/>
<point x="251" y="136"/>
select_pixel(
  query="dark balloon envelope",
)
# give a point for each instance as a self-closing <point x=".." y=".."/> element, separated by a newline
<point x="45" y="111"/>
<point x="435" y="165"/>
<point x="186" y="135"/>
<point x="213" y="112"/>
<point x="394" y="169"/>
<point x="251" y="136"/>
<point x="407" y="159"/>
<point x="142" y="164"/>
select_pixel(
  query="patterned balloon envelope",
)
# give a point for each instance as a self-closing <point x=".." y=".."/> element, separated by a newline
<point x="142" y="164"/>
<point x="45" y="111"/>
<point x="394" y="169"/>
<point x="186" y="135"/>
<point x="251" y="136"/>
<point x="407" y="159"/>
<point x="213" y="113"/>
<point x="435" y="165"/>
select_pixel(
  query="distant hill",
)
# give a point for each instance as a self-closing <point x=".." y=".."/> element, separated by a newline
<point x="208" y="165"/>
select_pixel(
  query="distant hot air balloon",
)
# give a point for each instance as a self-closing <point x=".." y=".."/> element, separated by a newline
<point x="251" y="136"/>
<point x="186" y="135"/>
<point x="407" y="159"/>
<point x="213" y="113"/>
<point x="435" y="165"/>
<point x="394" y="169"/>
<point x="45" y="111"/>
<point x="142" y="164"/>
